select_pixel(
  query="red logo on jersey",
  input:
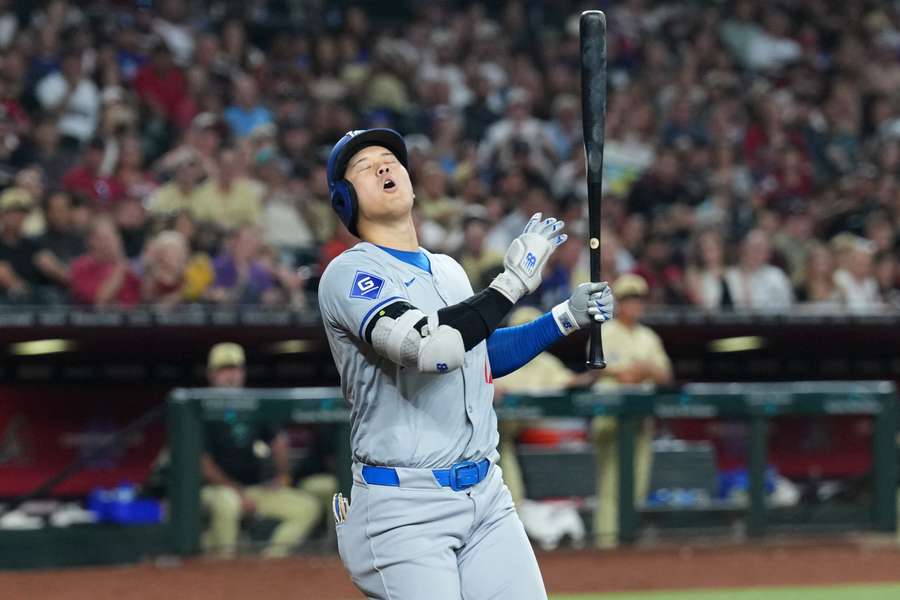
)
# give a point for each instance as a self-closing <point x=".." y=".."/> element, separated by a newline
<point x="488" y="377"/>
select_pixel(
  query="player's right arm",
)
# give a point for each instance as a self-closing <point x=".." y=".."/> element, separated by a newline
<point x="357" y="295"/>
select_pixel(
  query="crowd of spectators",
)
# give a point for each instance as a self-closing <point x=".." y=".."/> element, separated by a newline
<point x="174" y="152"/>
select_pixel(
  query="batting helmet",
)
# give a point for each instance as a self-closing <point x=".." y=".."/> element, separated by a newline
<point x="343" y="196"/>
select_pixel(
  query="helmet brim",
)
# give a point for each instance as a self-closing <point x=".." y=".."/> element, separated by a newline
<point x="387" y="138"/>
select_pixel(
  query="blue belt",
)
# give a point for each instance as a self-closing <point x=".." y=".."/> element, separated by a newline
<point x="460" y="476"/>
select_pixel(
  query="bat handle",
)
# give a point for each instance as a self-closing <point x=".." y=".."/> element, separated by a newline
<point x="595" y="349"/>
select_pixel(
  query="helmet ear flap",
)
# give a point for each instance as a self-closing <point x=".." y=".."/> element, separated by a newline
<point x="343" y="200"/>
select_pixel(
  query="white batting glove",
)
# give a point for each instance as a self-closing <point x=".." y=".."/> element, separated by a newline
<point x="527" y="256"/>
<point x="590" y="302"/>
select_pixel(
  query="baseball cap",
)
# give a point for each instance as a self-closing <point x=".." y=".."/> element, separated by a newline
<point x="16" y="198"/>
<point x="226" y="354"/>
<point x="630" y="286"/>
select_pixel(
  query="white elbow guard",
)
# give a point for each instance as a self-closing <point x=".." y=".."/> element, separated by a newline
<point x="441" y="351"/>
<point x="438" y="349"/>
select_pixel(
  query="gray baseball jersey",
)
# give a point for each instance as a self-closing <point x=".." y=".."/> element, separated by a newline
<point x="415" y="538"/>
<point x="401" y="417"/>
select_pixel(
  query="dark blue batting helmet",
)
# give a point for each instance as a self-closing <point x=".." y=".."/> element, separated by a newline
<point x="343" y="196"/>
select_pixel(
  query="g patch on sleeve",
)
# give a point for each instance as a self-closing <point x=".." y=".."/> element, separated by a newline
<point x="366" y="286"/>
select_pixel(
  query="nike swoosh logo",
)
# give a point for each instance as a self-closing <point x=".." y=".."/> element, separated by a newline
<point x="409" y="283"/>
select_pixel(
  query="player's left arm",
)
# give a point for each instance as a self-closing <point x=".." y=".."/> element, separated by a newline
<point x="512" y="347"/>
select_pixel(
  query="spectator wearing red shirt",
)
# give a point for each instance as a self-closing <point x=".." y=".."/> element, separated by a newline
<point x="85" y="179"/>
<point x="103" y="277"/>
<point x="160" y="83"/>
<point x="664" y="277"/>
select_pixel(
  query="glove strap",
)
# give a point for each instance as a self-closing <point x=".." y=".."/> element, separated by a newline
<point x="509" y="285"/>
<point x="565" y="320"/>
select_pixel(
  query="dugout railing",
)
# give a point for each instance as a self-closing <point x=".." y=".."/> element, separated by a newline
<point x="755" y="402"/>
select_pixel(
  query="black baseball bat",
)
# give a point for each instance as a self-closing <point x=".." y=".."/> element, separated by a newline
<point x="593" y="117"/>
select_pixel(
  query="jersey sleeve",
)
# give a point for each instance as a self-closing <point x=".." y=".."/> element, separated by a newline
<point x="352" y="290"/>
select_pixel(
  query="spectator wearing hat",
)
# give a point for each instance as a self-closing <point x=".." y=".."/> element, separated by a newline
<point x="634" y="355"/>
<point x="24" y="264"/>
<point x="247" y="472"/>
<point x="72" y="97"/>
<point x="102" y="276"/>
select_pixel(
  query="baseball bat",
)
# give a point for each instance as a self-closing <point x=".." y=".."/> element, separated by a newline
<point x="592" y="27"/>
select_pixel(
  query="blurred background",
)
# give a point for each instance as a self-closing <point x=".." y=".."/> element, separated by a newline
<point x="163" y="190"/>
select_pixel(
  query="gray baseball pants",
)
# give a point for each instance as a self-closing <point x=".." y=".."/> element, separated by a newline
<point x="421" y="541"/>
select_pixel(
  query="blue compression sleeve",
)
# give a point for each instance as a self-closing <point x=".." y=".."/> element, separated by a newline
<point x="511" y="347"/>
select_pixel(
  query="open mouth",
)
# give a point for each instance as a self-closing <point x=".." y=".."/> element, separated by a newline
<point x="389" y="184"/>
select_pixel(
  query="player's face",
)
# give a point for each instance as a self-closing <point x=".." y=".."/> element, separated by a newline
<point x="382" y="184"/>
<point x="227" y="377"/>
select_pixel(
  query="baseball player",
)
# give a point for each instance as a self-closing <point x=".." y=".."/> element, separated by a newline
<point x="417" y="350"/>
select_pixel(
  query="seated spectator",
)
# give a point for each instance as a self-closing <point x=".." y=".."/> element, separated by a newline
<point x="855" y="282"/>
<point x="887" y="274"/>
<point x="341" y="240"/>
<point x="247" y="471"/>
<point x="474" y="257"/>
<point x="284" y="225"/>
<point x="43" y="149"/>
<point x="246" y="112"/>
<point x="705" y="276"/>
<point x="178" y="194"/>
<point x="661" y="272"/>
<point x="519" y="136"/>
<point x="23" y="263"/>
<point x="31" y="179"/>
<point x="163" y="278"/>
<point x="61" y="237"/>
<point x="103" y="277"/>
<point x="72" y="97"/>
<point x="818" y="289"/>
<point x="86" y="179"/>
<point x="229" y="199"/>
<point x="160" y="83"/>
<point x="131" y="172"/>
<point x="133" y="223"/>
<point x="754" y="284"/>
<point x="660" y="188"/>
<point x="198" y="272"/>
<point x="241" y="278"/>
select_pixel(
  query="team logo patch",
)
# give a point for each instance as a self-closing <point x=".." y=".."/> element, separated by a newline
<point x="366" y="286"/>
<point x="529" y="263"/>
